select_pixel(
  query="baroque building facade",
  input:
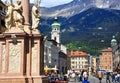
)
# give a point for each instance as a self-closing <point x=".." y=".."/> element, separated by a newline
<point x="79" y="60"/>
<point x="106" y="59"/>
<point x="55" y="54"/>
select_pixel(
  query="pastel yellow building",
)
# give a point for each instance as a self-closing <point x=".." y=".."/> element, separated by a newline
<point x="94" y="61"/>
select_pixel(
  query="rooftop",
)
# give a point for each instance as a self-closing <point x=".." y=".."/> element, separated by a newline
<point x="107" y="49"/>
<point x="79" y="53"/>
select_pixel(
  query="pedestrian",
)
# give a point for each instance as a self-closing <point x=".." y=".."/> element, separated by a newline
<point x="108" y="77"/>
<point x="118" y="77"/>
<point x="85" y="75"/>
<point x="65" y="77"/>
<point x="113" y="77"/>
<point x="99" y="75"/>
<point x="80" y="77"/>
<point x="85" y="80"/>
<point x="73" y="75"/>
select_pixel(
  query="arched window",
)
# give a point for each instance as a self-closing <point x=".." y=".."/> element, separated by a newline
<point x="55" y="38"/>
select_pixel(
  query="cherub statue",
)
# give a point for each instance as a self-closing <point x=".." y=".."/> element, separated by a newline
<point x="35" y="15"/>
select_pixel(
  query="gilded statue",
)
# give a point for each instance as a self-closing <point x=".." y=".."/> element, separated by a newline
<point x="14" y="16"/>
<point x="35" y="16"/>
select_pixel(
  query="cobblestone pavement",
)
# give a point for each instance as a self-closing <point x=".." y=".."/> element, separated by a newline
<point x="92" y="80"/>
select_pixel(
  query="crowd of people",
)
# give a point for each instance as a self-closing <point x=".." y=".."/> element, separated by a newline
<point x="54" y="77"/>
<point x="115" y="76"/>
<point x="78" y="76"/>
<point x="110" y="77"/>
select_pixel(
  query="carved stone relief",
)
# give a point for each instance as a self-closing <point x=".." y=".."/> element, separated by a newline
<point x="3" y="57"/>
<point x="34" y="58"/>
<point x="14" y="57"/>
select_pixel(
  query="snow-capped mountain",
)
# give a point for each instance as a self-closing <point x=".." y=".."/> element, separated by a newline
<point x="66" y="10"/>
<point x="93" y="21"/>
<point x="114" y="4"/>
<point x="77" y="6"/>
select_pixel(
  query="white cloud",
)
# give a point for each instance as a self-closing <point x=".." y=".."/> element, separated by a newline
<point x="16" y="0"/>
<point x="49" y="3"/>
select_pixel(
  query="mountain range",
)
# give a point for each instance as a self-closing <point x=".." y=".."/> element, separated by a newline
<point x="91" y="22"/>
<point x="77" y="6"/>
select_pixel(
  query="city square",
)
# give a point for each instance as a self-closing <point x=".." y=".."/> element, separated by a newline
<point x="27" y="55"/>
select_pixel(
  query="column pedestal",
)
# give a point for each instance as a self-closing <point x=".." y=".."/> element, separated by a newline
<point x="21" y="57"/>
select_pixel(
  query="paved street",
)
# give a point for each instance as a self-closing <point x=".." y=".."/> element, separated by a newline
<point x="92" y="80"/>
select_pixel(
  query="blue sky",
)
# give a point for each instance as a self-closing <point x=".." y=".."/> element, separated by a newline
<point x="50" y="3"/>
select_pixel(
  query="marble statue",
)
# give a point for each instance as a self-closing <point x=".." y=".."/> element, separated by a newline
<point x="9" y="16"/>
<point x="17" y="14"/>
<point x="35" y="16"/>
<point x="14" y="15"/>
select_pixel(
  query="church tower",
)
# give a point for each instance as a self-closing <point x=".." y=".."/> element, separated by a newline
<point x="55" y="34"/>
<point x="113" y="41"/>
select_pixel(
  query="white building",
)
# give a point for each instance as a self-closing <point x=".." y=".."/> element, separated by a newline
<point x="115" y="53"/>
<point x="55" y="34"/>
<point x="79" y="61"/>
<point x="55" y="54"/>
<point x="63" y="49"/>
<point x="116" y="56"/>
<point x="51" y="54"/>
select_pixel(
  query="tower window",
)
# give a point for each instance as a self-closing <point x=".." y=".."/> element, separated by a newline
<point x="55" y="28"/>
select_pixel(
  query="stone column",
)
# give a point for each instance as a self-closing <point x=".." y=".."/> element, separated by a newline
<point x="26" y="11"/>
<point x="26" y="15"/>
